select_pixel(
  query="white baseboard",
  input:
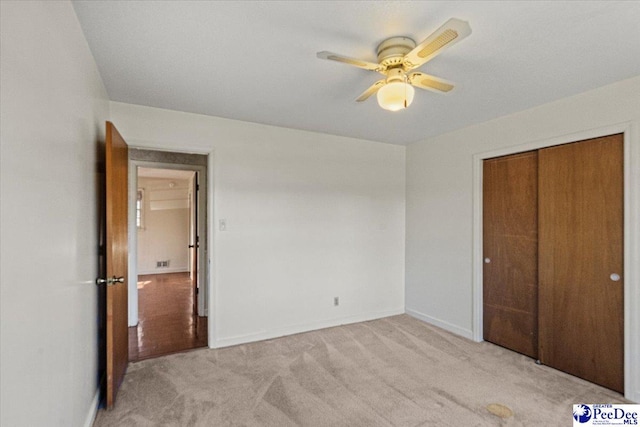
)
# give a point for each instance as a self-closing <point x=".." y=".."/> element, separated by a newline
<point x="93" y="410"/>
<point x="163" y="270"/>
<point x="297" y="329"/>
<point x="467" y="333"/>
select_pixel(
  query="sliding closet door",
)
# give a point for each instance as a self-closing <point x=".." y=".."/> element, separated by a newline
<point x="510" y="245"/>
<point x="580" y="259"/>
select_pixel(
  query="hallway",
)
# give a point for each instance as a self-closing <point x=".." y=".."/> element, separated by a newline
<point x="167" y="323"/>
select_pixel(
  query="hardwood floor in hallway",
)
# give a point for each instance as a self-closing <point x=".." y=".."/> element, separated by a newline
<point x="167" y="323"/>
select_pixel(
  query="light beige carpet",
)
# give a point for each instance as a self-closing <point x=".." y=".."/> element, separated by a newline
<point x="396" y="371"/>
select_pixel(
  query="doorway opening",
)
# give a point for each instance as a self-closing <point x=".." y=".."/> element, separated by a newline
<point x="168" y="311"/>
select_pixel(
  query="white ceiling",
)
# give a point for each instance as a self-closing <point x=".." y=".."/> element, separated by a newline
<point x="256" y="60"/>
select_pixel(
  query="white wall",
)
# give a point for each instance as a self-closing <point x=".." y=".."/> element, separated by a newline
<point x="53" y="108"/>
<point x="309" y="217"/>
<point x="165" y="235"/>
<point x="440" y="215"/>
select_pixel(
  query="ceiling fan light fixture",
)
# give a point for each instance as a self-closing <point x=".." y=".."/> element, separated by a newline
<point x="397" y="57"/>
<point x="395" y="96"/>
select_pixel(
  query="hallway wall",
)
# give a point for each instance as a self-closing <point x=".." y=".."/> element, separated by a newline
<point x="165" y="232"/>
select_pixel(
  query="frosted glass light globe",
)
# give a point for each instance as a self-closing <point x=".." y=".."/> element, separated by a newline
<point x="392" y="96"/>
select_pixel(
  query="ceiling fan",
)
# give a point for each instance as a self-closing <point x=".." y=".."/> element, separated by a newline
<point x="397" y="56"/>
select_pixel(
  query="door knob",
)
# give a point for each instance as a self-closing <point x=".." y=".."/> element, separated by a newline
<point x="487" y="260"/>
<point x="614" y="277"/>
<point x="110" y="281"/>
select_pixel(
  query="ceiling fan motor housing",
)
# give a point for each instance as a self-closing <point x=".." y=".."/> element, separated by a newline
<point x="396" y="75"/>
<point x="392" y="51"/>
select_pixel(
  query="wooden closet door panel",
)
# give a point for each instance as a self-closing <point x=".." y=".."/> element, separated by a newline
<point x="581" y="229"/>
<point x="510" y="242"/>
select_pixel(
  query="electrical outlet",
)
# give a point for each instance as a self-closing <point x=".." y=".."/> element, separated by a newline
<point x="336" y="301"/>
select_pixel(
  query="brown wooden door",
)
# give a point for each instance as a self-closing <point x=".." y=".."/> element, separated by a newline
<point x="580" y="247"/>
<point x="117" y="260"/>
<point x="510" y="247"/>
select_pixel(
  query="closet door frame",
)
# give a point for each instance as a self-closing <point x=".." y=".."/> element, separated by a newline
<point x="631" y="138"/>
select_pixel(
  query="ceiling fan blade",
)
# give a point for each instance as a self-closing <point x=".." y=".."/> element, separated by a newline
<point x="444" y="37"/>
<point x="370" y="91"/>
<point x="350" y="61"/>
<point x="432" y="83"/>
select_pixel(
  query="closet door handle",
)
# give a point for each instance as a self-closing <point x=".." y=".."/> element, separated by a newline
<point x="614" y="277"/>
<point x="487" y="260"/>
